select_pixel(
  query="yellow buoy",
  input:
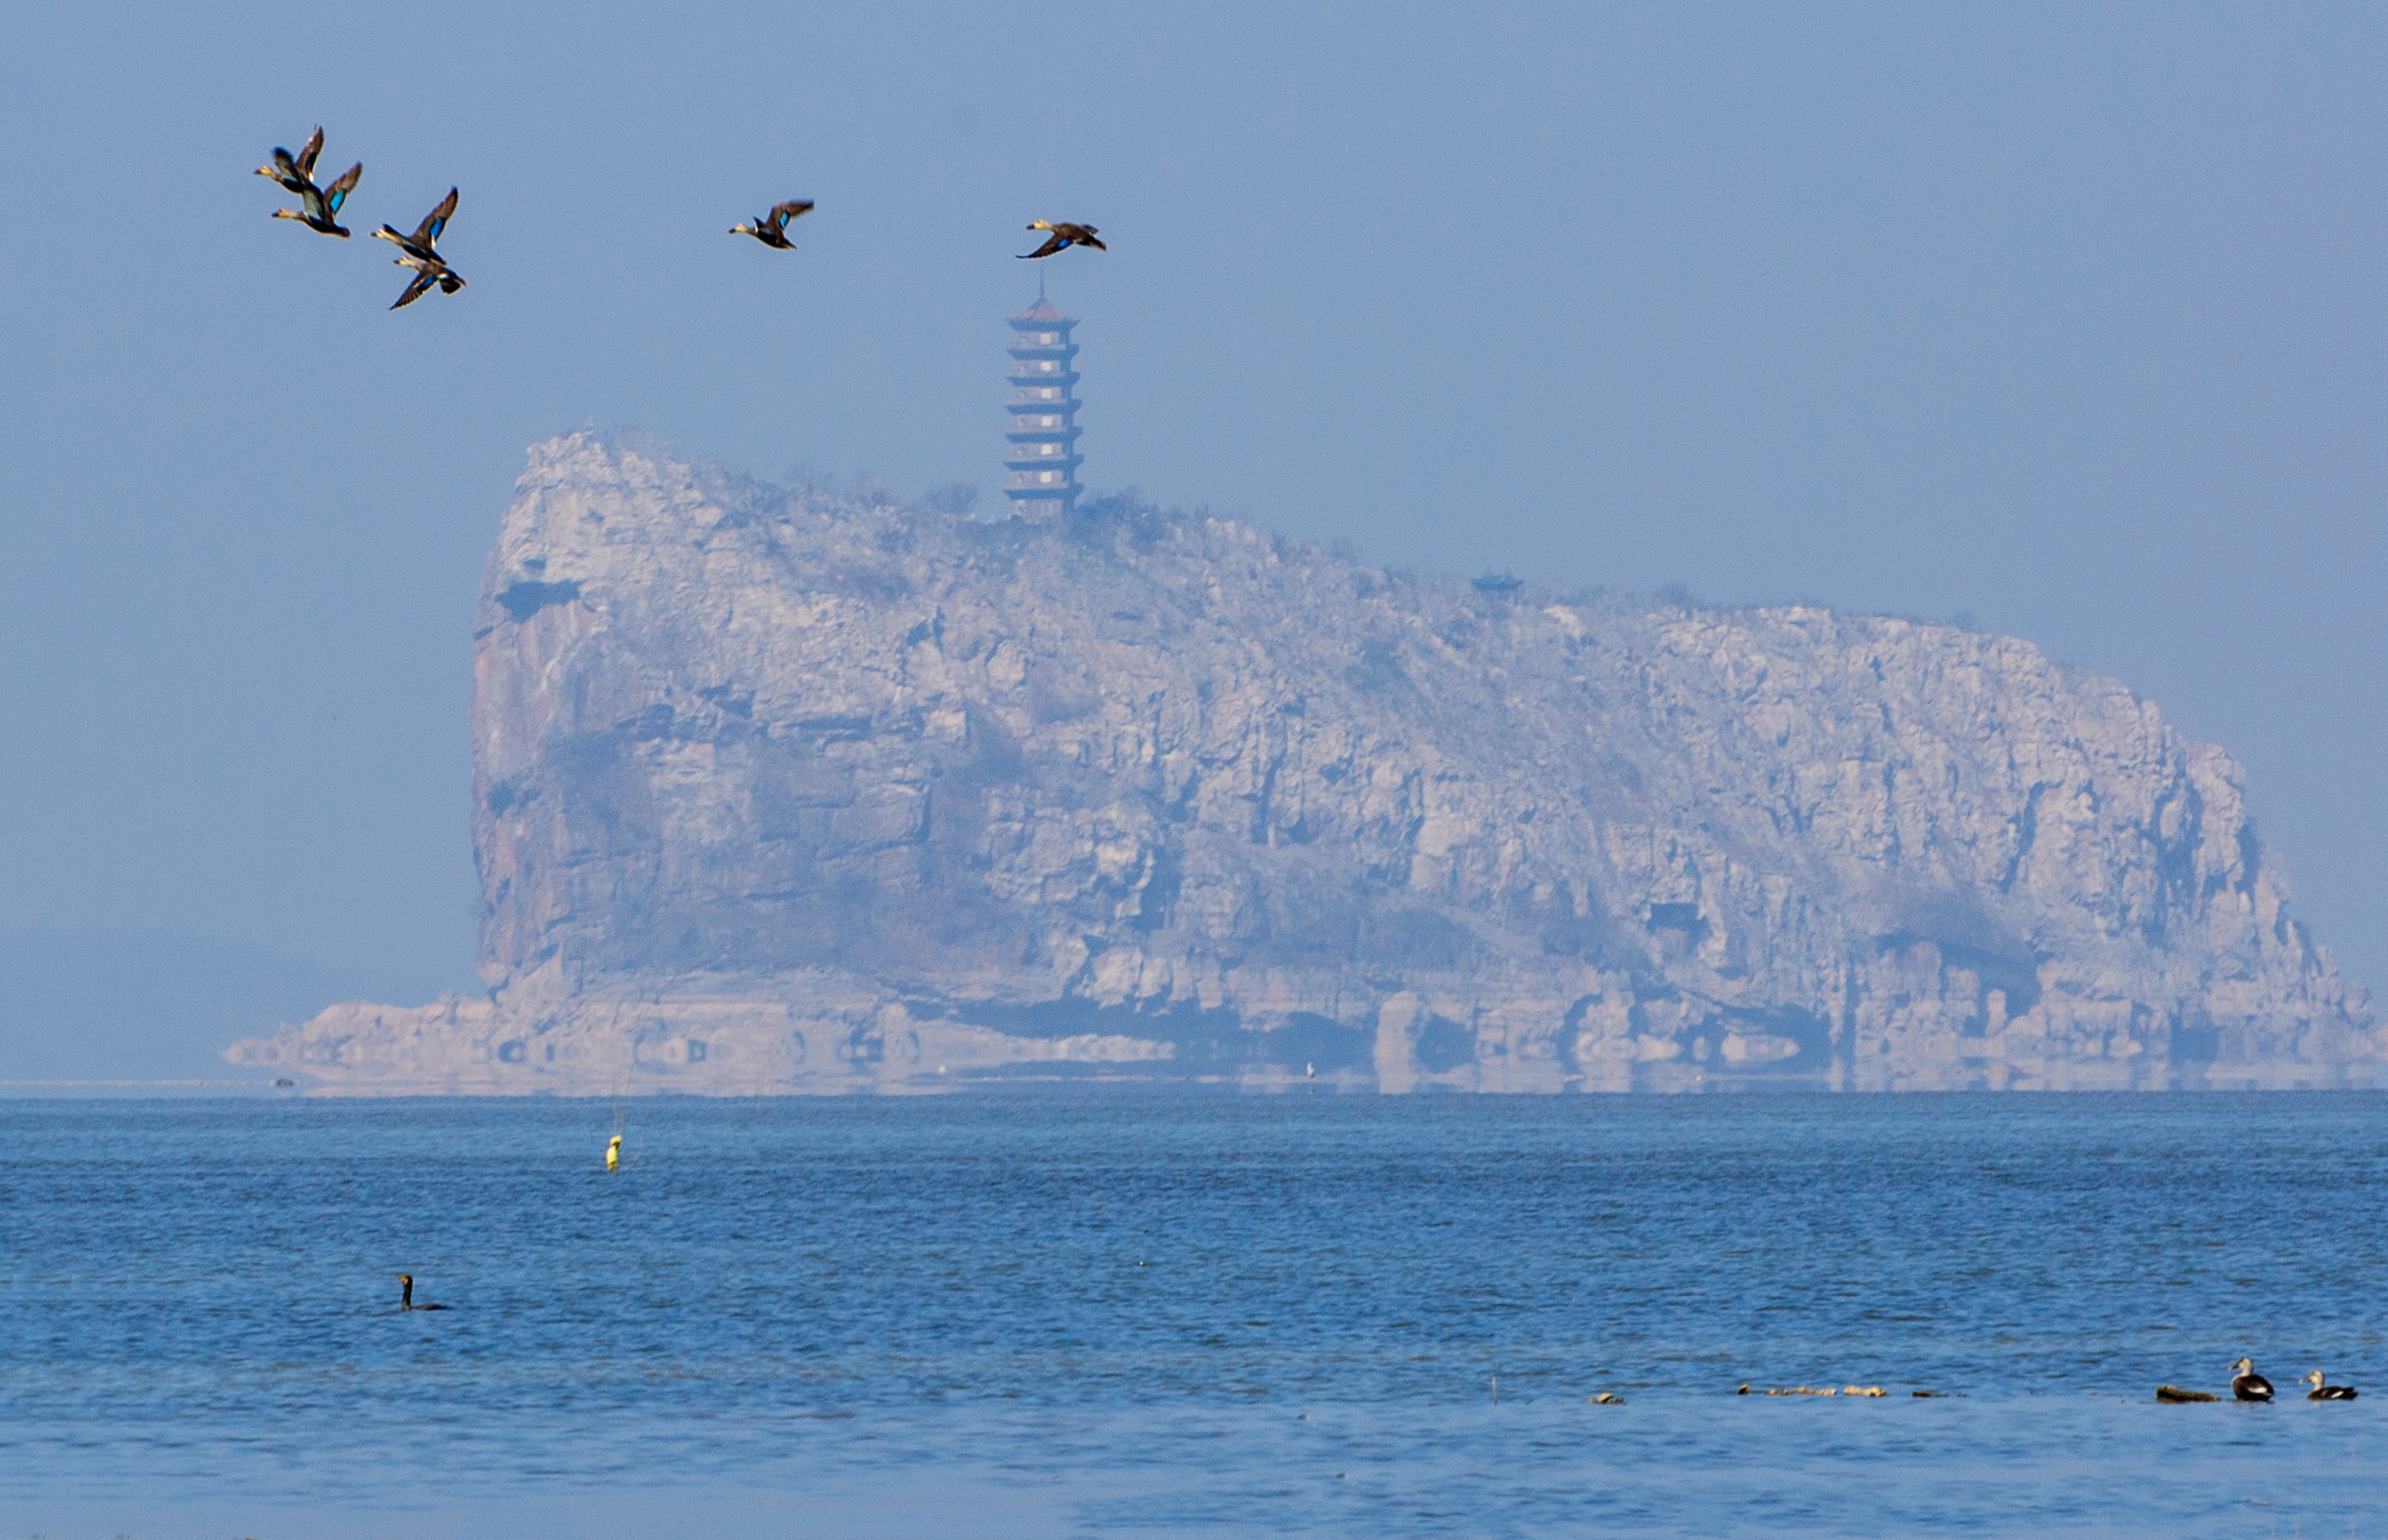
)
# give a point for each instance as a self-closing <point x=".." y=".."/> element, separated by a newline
<point x="613" y="1154"/>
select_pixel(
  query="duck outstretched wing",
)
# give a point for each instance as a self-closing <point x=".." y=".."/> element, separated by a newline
<point x="783" y="212"/>
<point x="338" y="193"/>
<point x="1054" y="242"/>
<point x="416" y="287"/>
<point x="307" y="153"/>
<point x="426" y="235"/>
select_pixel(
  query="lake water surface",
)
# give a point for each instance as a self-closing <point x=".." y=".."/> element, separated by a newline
<point x="1089" y="1310"/>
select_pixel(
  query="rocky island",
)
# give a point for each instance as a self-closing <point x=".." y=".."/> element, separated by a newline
<point x="776" y="792"/>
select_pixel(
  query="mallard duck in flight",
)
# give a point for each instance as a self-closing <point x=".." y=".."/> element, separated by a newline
<point x="1061" y="238"/>
<point x="295" y="173"/>
<point x="772" y="228"/>
<point x="319" y="207"/>
<point x="423" y="246"/>
<point x="421" y="252"/>
<point x="426" y="275"/>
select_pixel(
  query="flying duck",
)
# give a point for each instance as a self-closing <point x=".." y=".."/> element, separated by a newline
<point x="406" y="1295"/>
<point x="421" y="252"/>
<point x="423" y="246"/>
<point x="772" y="228"/>
<point x="2324" y="1391"/>
<point x="426" y="275"/>
<point x="295" y="173"/>
<point x="1062" y="238"/>
<point x="319" y="207"/>
<point x="2248" y="1385"/>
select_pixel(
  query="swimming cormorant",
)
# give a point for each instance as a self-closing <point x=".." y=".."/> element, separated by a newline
<point x="319" y="207"/>
<point x="406" y="1295"/>
<point x="2324" y="1391"/>
<point x="2248" y="1385"/>
<point x="772" y="228"/>
<point x="1061" y="238"/>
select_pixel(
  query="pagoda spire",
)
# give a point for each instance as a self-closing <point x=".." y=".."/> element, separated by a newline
<point x="1043" y="458"/>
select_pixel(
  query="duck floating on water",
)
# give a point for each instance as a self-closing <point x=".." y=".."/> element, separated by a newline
<point x="406" y="1295"/>
<point x="2174" y="1395"/>
<point x="772" y="228"/>
<point x="1060" y="237"/>
<point x="2248" y="1385"/>
<point x="2324" y="1391"/>
<point x="420" y="251"/>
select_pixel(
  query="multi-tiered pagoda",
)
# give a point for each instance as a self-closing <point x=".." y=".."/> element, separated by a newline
<point x="1043" y="433"/>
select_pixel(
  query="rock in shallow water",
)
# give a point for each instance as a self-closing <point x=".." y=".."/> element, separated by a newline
<point x="779" y="792"/>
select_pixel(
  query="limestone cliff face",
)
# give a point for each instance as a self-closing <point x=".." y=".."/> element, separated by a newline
<point x="777" y="792"/>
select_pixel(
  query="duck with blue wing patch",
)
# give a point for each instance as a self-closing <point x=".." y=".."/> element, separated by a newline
<point x="1060" y="237"/>
<point x="318" y="207"/>
<point x="772" y="228"/>
<point x="421" y="252"/>
<point x="295" y="173"/>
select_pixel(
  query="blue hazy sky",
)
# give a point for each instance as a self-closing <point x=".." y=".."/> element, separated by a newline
<point x="2067" y="317"/>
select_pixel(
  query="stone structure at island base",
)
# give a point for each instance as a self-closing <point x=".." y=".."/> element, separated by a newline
<point x="776" y="793"/>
